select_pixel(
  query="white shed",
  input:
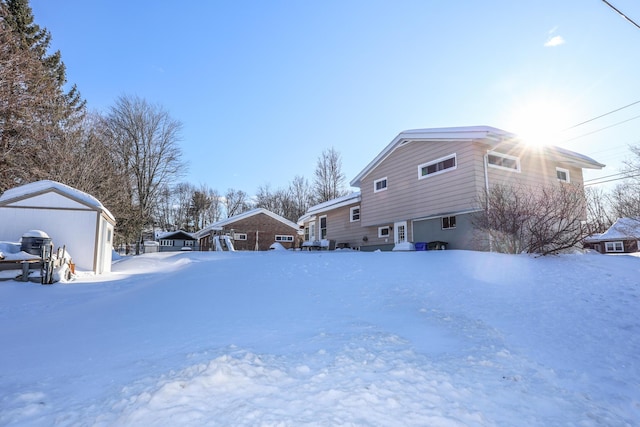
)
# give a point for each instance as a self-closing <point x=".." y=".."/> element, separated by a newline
<point x="70" y="217"/>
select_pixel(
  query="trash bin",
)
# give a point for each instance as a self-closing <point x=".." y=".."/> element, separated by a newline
<point x="437" y="245"/>
<point x="421" y="246"/>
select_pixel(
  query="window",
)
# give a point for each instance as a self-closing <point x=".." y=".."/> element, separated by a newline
<point x="323" y="227"/>
<point x="189" y="242"/>
<point x="614" y="247"/>
<point x="283" y="238"/>
<point x="306" y="233"/>
<point x="354" y="214"/>
<point x="448" y="222"/>
<point x="384" y="231"/>
<point x="166" y="242"/>
<point x="438" y="166"/>
<point x="503" y="161"/>
<point x="239" y="236"/>
<point x="563" y="174"/>
<point x="380" y="184"/>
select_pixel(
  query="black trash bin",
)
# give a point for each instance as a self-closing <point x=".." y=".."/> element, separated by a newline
<point x="33" y="241"/>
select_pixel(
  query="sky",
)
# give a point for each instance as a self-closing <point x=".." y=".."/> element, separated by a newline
<point x="283" y="338"/>
<point x="262" y="88"/>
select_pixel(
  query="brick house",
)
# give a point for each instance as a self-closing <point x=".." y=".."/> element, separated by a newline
<point x="256" y="229"/>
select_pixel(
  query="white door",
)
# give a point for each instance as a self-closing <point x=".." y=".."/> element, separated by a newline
<point x="400" y="232"/>
<point x="312" y="231"/>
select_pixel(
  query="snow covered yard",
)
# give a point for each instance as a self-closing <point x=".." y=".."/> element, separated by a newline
<point x="442" y="338"/>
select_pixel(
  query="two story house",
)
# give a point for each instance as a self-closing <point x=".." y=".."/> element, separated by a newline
<point x="425" y="185"/>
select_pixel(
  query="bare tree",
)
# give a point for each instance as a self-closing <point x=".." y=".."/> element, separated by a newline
<point x="329" y="180"/>
<point x="546" y="220"/>
<point x="236" y="202"/>
<point x="145" y="139"/>
<point x="301" y="195"/>
<point x="599" y="214"/>
<point x="213" y="213"/>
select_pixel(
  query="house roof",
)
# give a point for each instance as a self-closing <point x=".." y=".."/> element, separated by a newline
<point x="222" y="223"/>
<point x="331" y="204"/>
<point x="45" y="186"/>
<point x="622" y="229"/>
<point x="175" y="235"/>
<point x="486" y="134"/>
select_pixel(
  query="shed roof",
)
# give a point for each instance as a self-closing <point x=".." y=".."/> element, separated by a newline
<point x="40" y="187"/>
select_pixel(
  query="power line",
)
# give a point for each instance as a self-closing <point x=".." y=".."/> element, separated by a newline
<point x="602" y="115"/>
<point x="621" y="14"/>
<point x="601" y="129"/>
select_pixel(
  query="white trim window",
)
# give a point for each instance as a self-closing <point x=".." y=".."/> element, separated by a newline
<point x="448" y="222"/>
<point x="354" y="214"/>
<point x="323" y="227"/>
<point x="239" y="236"/>
<point x="284" y="238"/>
<point x="384" y="231"/>
<point x="190" y="243"/>
<point x="164" y="242"/>
<point x="563" y="175"/>
<point x="503" y="161"/>
<point x="438" y="166"/>
<point x="613" y="247"/>
<point x="380" y="185"/>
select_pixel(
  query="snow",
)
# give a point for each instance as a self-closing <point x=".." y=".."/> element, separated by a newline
<point x="622" y="229"/>
<point x="37" y="187"/>
<point x="291" y="338"/>
<point x="36" y="233"/>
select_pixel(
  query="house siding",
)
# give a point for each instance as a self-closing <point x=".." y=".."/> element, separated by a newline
<point x="408" y="197"/>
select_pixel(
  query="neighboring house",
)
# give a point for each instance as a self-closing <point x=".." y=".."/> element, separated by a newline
<point x="176" y="241"/>
<point x="425" y="185"/>
<point x="70" y="217"/>
<point x="622" y="237"/>
<point x="256" y="229"/>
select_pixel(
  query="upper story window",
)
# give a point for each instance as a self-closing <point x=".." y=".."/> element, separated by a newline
<point x="438" y="166"/>
<point x="380" y="184"/>
<point x="563" y="175"/>
<point x="354" y="214"/>
<point x="503" y="161"/>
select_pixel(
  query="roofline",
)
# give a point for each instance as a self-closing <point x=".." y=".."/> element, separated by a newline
<point x="465" y="133"/>
<point x="56" y="188"/>
<point x="220" y="224"/>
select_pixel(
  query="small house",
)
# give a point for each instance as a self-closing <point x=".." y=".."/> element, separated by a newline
<point x="254" y="230"/>
<point x="70" y="217"/>
<point x="177" y="241"/>
<point x="622" y="237"/>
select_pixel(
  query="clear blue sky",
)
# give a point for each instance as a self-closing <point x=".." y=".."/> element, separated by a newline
<point x="263" y="87"/>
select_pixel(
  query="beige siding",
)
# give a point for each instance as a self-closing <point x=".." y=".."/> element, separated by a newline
<point x="339" y="226"/>
<point x="535" y="169"/>
<point x="408" y="197"/>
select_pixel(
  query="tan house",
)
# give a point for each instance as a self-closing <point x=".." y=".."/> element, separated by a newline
<point x="423" y="188"/>
<point x="256" y="229"/>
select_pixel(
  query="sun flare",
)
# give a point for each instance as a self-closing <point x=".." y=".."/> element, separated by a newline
<point x="540" y="122"/>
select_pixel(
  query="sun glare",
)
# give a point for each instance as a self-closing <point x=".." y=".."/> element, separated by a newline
<point x="539" y="122"/>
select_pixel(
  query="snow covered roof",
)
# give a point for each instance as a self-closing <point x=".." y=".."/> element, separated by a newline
<point x="220" y="224"/>
<point x="40" y="187"/>
<point x="487" y="134"/>
<point x="622" y="229"/>
<point x="173" y="235"/>
<point x="331" y="204"/>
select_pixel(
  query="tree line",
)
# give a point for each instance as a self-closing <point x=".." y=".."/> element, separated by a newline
<point x="128" y="157"/>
